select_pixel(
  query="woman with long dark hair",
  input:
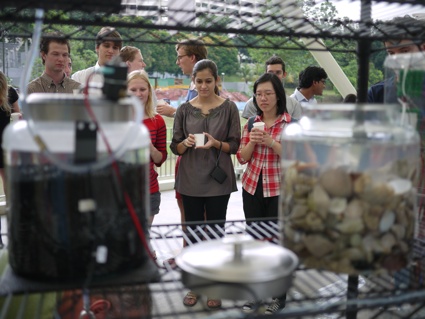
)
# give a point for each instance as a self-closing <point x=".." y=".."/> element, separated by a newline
<point x="204" y="197"/>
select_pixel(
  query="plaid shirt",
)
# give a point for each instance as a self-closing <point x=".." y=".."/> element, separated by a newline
<point x="263" y="160"/>
<point x="45" y="84"/>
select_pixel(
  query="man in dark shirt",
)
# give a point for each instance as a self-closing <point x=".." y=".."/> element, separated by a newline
<point x="385" y="91"/>
<point x="55" y="51"/>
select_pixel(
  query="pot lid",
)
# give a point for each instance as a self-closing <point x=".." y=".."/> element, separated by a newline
<point x="238" y="259"/>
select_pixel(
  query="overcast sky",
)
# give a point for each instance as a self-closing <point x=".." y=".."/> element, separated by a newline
<point x="381" y="10"/>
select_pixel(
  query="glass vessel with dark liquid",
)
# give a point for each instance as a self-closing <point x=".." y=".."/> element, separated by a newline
<point x="74" y="224"/>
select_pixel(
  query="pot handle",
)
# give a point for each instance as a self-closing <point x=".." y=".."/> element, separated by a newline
<point x="237" y="257"/>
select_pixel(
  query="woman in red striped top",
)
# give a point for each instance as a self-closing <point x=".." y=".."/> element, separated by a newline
<point x="138" y="85"/>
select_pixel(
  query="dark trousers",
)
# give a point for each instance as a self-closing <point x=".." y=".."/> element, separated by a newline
<point x="200" y="209"/>
<point x="257" y="207"/>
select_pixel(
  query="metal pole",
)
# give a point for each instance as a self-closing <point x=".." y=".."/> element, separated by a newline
<point x="363" y="54"/>
<point x="4" y="44"/>
<point x="352" y="293"/>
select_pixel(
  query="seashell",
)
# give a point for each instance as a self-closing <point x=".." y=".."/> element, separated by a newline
<point x="343" y="265"/>
<point x="400" y="186"/>
<point x="337" y="205"/>
<point x="388" y="241"/>
<point x="355" y="209"/>
<point x="378" y="193"/>
<point x="393" y="202"/>
<point x="399" y="231"/>
<point x="372" y="244"/>
<point x="351" y="226"/>
<point x="315" y="263"/>
<point x="336" y="182"/>
<point x="299" y="211"/>
<point x="289" y="164"/>
<point x="401" y="217"/>
<point x="291" y="234"/>
<point x="387" y="221"/>
<point x="290" y="178"/>
<point x="301" y="190"/>
<point x="332" y="234"/>
<point x="404" y="247"/>
<point x="354" y="254"/>
<point x="300" y="201"/>
<point x="359" y="184"/>
<point x="305" y="179"/>
<point x="318" y="246"/>
<point x="314" y="222"/>
<point x="319" y="201"/>
<point x="373" y="217"/>
<point x="355" y="240"/>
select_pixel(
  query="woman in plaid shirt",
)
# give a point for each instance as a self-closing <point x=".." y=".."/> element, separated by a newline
<point x="261" y="150"/>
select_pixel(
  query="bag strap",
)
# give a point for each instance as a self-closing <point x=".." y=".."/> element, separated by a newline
<point x="219" y="153"/>
<point x="251" y="123"/>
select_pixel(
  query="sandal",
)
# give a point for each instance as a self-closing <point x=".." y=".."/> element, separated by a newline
<point x="170" y="262"/>
<point x="213" y="303"/>
<point x="190" y="299"/>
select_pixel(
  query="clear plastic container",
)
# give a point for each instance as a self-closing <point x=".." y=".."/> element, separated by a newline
<point x="405" y="84"/>
<point x="69" y="220"/>
<point x="349" y="188"/>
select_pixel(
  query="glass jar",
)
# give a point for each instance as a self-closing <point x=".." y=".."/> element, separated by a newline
<point x="67" y="215"/>
<point x="348" y="192"/>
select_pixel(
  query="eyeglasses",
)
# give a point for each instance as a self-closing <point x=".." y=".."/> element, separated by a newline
<point x="179" y="57"/>
<point x="266" y="95"/>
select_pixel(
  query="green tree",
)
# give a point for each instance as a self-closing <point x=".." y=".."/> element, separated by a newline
<point x="351" y="69"/>
<point x="226" y="56"/>
<point x="245" y="72"/>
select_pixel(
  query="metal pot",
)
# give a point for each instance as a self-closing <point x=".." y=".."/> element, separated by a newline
<point x="237" y="268"/>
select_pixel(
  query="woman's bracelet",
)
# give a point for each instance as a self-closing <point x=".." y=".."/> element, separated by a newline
<point x="271" y="144"/>
<point x="184" y="144"/>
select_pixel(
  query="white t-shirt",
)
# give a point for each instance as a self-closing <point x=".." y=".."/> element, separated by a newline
<point x="95" y="81"/>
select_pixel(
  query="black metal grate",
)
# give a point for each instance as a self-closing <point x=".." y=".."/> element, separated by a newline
<point x="274" y="24"/>
<point x="314" y="293"/>
<point x="278" y="25"/>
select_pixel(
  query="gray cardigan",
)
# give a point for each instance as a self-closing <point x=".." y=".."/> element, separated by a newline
<point x="223" y="123"/>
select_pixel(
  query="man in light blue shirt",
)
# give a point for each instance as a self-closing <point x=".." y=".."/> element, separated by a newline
<point x="312" y="82"/>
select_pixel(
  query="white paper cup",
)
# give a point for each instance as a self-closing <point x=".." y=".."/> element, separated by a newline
<point x="161" y="102"/>
<point x="259" y="125"/>
<point x="200" y="139"/>
<point x="14" y="117"/>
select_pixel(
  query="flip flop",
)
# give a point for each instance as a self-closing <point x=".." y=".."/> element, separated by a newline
<point x="213" y="303"/>
<point x="190" y="299"/>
